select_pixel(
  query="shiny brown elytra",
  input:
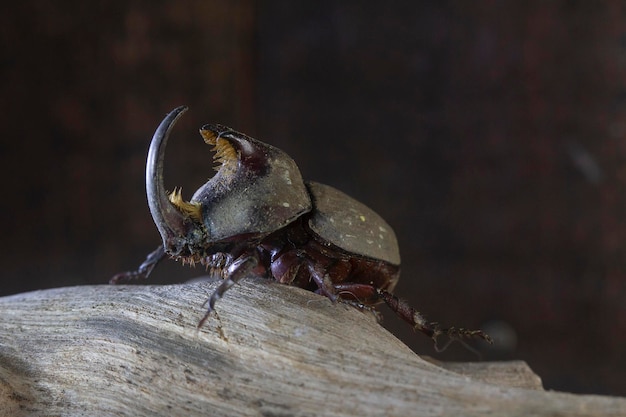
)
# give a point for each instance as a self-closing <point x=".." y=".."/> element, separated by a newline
<point x="257" y="216"/>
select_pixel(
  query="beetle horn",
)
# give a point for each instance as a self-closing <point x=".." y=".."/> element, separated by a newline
<point x="173" y="225"/>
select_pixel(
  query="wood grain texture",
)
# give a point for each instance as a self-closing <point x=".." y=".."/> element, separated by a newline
<point x="271" y="350"/>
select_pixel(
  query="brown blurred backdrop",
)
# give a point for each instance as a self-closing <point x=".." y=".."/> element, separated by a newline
<point x="491" y="135"/>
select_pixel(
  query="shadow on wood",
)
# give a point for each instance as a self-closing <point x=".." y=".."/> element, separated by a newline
<point x="269" y="350"/>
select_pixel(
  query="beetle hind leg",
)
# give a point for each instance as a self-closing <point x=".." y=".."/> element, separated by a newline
<point x="430" y="329"/>
<point x="364" y="307"/>
<point x="361" y="296"/>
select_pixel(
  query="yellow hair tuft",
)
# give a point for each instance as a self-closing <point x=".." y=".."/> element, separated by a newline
<point x="191" y="209"/>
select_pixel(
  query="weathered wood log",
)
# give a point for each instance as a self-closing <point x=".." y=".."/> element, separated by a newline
<point x="270" y="350"/>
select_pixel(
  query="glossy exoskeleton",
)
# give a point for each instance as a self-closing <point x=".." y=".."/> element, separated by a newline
<point x="256" y="216"/>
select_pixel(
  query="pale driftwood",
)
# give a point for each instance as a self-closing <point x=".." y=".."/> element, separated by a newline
<point x="271" y="351"/>
<point x="511" y="373"/>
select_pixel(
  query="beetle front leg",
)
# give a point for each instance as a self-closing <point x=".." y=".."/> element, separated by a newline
<point x="144" y="269"/>
<point x="430" y="329"/>
<point x="240" y="268"/>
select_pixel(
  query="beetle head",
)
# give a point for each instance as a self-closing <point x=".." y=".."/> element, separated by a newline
<point x="257" y="190"/>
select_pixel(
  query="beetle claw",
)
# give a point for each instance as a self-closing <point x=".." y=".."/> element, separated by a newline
<point x="456" y="334"/>
<point x="430" y="329"/>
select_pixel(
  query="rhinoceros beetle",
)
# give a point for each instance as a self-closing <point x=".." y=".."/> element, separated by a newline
<point x="257" y="216"/>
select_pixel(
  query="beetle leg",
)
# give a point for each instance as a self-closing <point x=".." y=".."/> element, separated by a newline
<point x="361" y="296"/>
<point x="430" y="329"/>
<point x="364" y="307"/>
<point x="359" y="293"/>
<point x="240" y="268"/>
<point x="322" y="279"/>
<point x="144" y="269"/>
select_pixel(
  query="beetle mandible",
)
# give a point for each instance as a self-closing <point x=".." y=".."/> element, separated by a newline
<point x="256" y="216"/>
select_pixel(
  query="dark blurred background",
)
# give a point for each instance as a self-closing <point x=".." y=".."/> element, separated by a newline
<point x="491" y="135"/>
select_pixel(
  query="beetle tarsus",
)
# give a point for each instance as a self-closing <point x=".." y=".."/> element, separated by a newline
<point x="240" y="268"/>
<point x="457" y="334"/>
<point x="430" y="329"/>
<point x="144" y="269"/>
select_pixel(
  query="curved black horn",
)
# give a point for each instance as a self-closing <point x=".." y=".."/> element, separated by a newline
<point x="172" y="224"/>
